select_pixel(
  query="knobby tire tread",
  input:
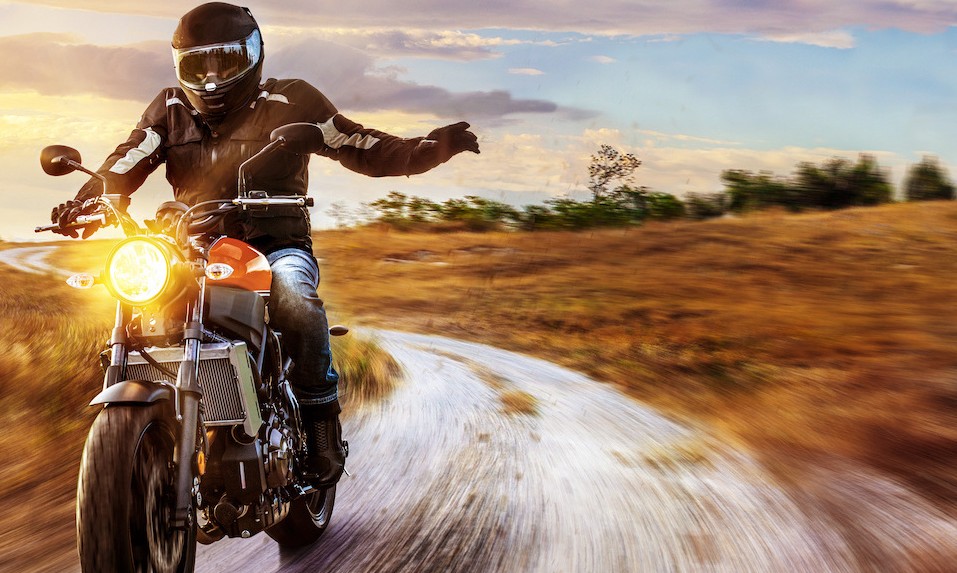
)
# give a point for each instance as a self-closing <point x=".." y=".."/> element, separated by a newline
<point x="103" y="488"/>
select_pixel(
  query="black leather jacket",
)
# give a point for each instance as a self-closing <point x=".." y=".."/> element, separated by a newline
<point x="202" y="159"/>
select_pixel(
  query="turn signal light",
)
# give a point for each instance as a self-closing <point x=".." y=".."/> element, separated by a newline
<point x="81" y="281"/>
<point x="219" y="271"/>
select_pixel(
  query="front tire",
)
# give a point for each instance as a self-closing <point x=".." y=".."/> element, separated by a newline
<point x="126" y="495"/>
<point x="307" y="520"/>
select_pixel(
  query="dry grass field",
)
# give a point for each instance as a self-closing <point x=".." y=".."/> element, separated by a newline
<point x="806" y="338"/>
<point x="49" y="372"/>
<point x="815" y="339"/>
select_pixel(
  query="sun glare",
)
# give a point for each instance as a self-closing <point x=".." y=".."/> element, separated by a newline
<point x="29" y="119"/>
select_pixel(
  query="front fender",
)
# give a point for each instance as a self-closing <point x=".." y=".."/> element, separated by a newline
<point x="133" y="392"/>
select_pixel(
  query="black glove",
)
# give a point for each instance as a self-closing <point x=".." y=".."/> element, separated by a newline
<point x="453" y="139"/>
<point x="65" y="214"/>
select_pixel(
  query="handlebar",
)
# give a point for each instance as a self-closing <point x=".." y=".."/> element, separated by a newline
<point x="195" y="221"/>
<point x="79" y="222"/>
<point x="103" y="218"/>
<point x="270" y="201"/>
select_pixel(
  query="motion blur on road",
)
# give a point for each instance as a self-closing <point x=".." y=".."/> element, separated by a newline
<point x="448" y="477"/>
<point x="488" y="460"/>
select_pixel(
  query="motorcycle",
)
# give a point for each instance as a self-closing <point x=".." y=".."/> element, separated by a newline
<point x="199" y="436"/>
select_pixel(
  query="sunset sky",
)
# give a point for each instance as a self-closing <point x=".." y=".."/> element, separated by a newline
<point x="692" y="87"/>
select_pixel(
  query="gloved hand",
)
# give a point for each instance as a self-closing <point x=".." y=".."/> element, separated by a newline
<point x="453" y="139"/>
<point x="65" y="214"/>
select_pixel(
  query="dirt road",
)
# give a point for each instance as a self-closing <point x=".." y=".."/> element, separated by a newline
<point x="32" y="260"/>
<point x="449" y="474"/>
<point x="444" y="479"/>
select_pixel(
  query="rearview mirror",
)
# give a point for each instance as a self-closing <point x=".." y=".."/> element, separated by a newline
<point x="56" y="159"/>
<point x="299" y="138"/>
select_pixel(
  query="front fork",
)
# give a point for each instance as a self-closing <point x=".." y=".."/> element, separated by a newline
<point x="118" y="346"/>
<point x="189" y="394"/>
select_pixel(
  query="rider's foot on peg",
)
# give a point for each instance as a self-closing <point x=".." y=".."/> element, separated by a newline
<point x="325" y="450"/>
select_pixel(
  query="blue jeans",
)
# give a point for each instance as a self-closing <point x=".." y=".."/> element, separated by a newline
<point x="296" y="310"/>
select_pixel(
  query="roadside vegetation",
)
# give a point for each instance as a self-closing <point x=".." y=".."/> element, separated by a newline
<point x="804" y="337"/>
<point x="368" y="372"/>
<point x="48" y="373"/>
<point x="617" y="201"/>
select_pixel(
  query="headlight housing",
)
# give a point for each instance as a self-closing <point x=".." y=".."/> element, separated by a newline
<point x="140" y="271"/>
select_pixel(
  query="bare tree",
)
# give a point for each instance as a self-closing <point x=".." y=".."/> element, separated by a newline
<point x="610" y="165"/>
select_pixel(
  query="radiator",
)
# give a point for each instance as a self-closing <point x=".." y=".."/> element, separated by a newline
<point x="229" y="391"/>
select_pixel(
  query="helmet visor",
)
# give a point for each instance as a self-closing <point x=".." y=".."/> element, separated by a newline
<point x="218" y="64"/>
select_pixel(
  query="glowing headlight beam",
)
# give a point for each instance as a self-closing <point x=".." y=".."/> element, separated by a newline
<point x="138" y="271"/>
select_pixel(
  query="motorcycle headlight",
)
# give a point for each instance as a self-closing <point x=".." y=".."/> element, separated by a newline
<point x="139" y="271"/>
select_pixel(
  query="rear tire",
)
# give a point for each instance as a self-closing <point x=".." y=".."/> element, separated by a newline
<point x="308" y="519"/>
<point x="126" y="495"/>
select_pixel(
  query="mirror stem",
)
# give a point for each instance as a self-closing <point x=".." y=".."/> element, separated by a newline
<point x="79" y="167"/>
<point x="263" y="152"/>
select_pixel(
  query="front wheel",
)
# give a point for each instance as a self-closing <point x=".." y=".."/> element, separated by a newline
<point x="126" y="495"/>
<point x="307" y="520"/>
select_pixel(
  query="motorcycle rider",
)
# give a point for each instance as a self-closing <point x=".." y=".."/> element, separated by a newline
<point x="220" y="115"/>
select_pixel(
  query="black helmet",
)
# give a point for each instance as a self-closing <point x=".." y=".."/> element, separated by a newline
<point x="218" y="54"/>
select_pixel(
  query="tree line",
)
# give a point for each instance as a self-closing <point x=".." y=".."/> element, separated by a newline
<point x="616" y="200"/>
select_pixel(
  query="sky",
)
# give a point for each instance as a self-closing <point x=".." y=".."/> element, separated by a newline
<point x="691" y="87"/>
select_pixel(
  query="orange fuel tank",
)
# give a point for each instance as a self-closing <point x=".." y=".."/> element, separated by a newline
<point x="250" y="267"/>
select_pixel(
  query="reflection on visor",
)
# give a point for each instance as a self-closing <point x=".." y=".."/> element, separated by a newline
<point x="219" y="64"/>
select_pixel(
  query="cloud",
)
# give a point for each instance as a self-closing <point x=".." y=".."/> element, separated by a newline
<point x="350" y="77"/>
<point x="665" y="39"/>
<point x="392" y="43"/>
<point x="629" y="17"/>
<point x="603" y="59"/>
<point x="840" y="39"/>
<point x="684" y="138"/>
<point x="57" y="65"/>
<point x="30" y="121"/>
<point x="526" y="72"/>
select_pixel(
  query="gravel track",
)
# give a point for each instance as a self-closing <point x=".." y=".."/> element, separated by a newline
<point x="446" y="477"/>
<point x="32" y="260"/>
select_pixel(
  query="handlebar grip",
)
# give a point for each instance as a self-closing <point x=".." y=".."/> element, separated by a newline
<point x="84" y="220"/>
<point x="310" y="202"/>
<point x="78" y="223"/>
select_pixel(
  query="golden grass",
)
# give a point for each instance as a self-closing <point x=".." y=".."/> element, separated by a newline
<point x="677" y="454"/>
<point x="368" y="373"/>
<point x="795" y="335"/>
<point x="517" y="402"/>
<point x="49" y="372"/>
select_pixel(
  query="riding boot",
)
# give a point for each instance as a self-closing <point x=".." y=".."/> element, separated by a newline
<point x="326" y="452"/>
